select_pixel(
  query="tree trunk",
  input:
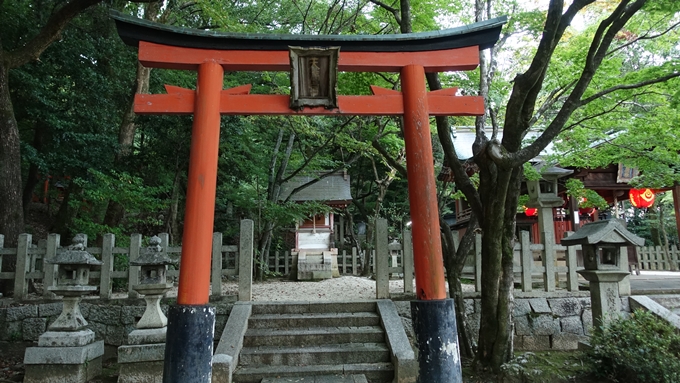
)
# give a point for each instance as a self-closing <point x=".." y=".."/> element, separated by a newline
<point x="66" y="213"/>
<point x="126" y="133"/>
<point x="654" y="223"/>
<point x="171" y="223"/>
<point x="454" y="261"/>
<point x="33" y="177"/>
<point x="11" y="211"/>
<point x="273" y="194"/>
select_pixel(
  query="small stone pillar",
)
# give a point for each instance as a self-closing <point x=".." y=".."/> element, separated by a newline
<point x="67" y="352"/>
<point x="141" y="360"/>
<point x="601" y="242"/>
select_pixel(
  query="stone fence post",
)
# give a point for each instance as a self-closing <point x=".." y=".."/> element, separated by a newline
<point x="381" y="260"/>
<point x="245" y="261"/>
<point x="22" y="267"/>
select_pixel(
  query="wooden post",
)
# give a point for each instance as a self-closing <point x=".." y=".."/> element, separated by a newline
<point x="53" y="241"/>
<point x="549" y="261"/>
<point x="354" y="261"/>
<point x="478" y="262"/>
<point x="194" y="276"/>
<point x="656" y="257"/>
<point x="342" y="230"/>
<point x="105" y="282"/>
<point x="407" y="259"/>
<point x="133" y="271"/>
<point x="22" y="266"/>
<point x="644" y="257"/>
<point x="422" y="190"/>
<point x="216" y="281"/>
<point x="245" y="266"/>
<point x="527" y="260"/>
<point x="382" y="273"/>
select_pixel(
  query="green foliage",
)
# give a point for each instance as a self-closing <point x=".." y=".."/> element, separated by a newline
<point x="531" y="173"/>
<point x="587" y="197"/>
<point x="539" y="367"/>
<point x="143" y="203"/>
<point x="642" y="348"/>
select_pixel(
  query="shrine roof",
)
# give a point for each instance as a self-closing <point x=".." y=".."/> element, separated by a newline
<point x="334" y="188"/>
<point x="483" y="34"/>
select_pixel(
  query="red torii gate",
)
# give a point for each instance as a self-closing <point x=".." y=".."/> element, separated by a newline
<point x="411" y="55"/>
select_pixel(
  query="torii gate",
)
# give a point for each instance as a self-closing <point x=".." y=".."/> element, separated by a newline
<point x="210" y="53"/>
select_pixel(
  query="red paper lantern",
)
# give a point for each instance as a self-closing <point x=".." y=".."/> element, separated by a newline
<point x="586" y="211"/>
<point x="641" y="197"/>
<point x="529" y="211"/>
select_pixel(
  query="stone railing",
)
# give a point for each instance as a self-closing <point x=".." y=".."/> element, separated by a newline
<point x="30" y="263"/>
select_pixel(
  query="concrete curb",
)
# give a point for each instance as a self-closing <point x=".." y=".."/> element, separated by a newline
<point x="403" y="358"/>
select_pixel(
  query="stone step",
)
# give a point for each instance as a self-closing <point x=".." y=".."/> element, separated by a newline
<point x="313" y="336"/>
<point x="348" y="353"/>
<point x="313" y="307"/>
<point x="374" y="372"/>
<point x="358" y="378"/>
<point x="358" y="319"/>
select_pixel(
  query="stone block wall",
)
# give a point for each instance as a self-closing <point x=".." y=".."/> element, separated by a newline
<point x="546" y="323"/>
<point x="111" y="320"/>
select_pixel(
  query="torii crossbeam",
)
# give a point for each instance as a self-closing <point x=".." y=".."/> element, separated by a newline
<point x="210" y="54"/>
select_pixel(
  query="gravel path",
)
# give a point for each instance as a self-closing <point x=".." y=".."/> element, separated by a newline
<point x="344" y="288"/>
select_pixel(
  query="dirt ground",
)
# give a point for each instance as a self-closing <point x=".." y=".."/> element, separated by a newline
<point x="11" y="361"/>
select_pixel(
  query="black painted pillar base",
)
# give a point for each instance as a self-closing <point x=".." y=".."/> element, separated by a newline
<point x="189" y="344"/>
<point x="434" y="324"/>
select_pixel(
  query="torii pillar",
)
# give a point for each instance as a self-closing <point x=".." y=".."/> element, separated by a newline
<point x="191" y="322"/>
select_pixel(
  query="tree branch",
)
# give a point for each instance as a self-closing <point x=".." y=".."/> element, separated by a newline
<point x="322" y="176"/>
<point x="603" y="38"/>
<point x="390" y="160"/>
<point x="629" y="86"/>
<point x="392" y="10"/>
<point x="318" y="149"/>
<point x="646" y="36"/>
<point x="48" y="33"/>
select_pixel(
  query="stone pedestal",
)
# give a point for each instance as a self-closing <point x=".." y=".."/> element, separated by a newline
<point x="64" y="357"/>
<point x="604" y="293"/>
<point x="141" y="360"/>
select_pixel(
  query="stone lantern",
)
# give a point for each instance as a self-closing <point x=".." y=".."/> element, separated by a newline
<point x="601" y="243"/>
<point x="67" y="352"/>
<point x="141" y="360"/>
<point x="153" y="283"/>
<point x="543" y="195"/>
<point x="394" y="248"/>
<point x="543" y="192"/>
<point x="73" y="276"/>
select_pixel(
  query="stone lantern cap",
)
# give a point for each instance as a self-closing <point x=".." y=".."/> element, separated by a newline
<point x="75" y="254"/>
<point x="609" y="232"/>
<point x="153" y="255"/>
<point x="554" y="172"/>
<point x="394" y="246"/>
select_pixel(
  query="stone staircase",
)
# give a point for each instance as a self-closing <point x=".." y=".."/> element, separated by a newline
<point x="296" y="340"/>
